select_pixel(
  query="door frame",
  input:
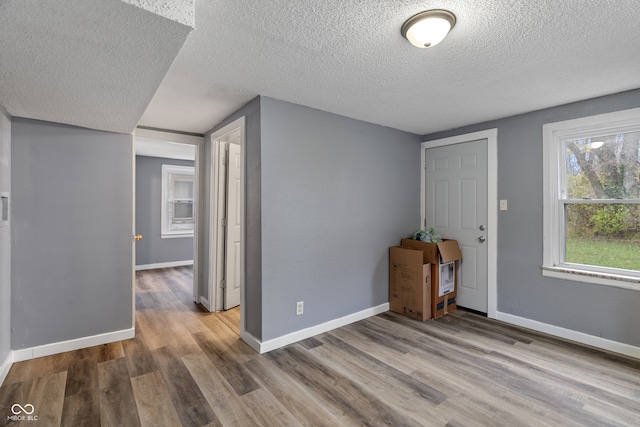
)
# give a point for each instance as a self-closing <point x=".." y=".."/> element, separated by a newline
<point x="198" y="142"/>
<point x="215" y="296"/>
<point x="231" y="192"/>
<point x="491" y="135"/>
<point x="217" y="233"/>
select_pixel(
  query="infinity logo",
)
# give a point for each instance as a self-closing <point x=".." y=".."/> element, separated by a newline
<point x="27" y="409"/>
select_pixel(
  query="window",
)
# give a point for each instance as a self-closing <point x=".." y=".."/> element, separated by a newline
<point x="178" y="210"/>
<point x="592" y="199"/>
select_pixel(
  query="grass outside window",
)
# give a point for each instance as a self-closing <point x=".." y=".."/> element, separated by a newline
<point x="604" y="253"/>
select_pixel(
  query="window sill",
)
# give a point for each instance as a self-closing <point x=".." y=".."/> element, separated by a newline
<point x="616" y="280"/>
<point x="176" y="235"/>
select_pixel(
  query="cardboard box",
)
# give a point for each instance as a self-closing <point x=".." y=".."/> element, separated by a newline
<point x="442" y="257"/>
<point x="409" y="283"/>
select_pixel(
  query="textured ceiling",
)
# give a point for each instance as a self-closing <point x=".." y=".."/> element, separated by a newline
<point x="503" y="57"/>
<point x="97" y="63"/>
<point x="90" y="63"/>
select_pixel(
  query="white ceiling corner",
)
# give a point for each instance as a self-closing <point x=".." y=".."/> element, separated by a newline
<point x="181" y="11"/>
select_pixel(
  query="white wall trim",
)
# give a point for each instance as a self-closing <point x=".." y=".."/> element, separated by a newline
<point x="491" y="135"/>
<point x="133" y="231"/>
<point x="205" y="302"/>
<point x="216" y="296"/>
<point x="275" y="343"/>
<point x="592" y="340"/>
<point x="596" y="278"/>
<point x="252" y="341"/>
<point x="71" y="345"/>
<point x="5" y="366"/>
<point x="164" y="265"/>
<point x="174" y="235"/>
<point x="217" y="211"/>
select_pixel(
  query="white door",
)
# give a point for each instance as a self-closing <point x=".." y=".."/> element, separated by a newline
<point x="456" y="207"/>
<point x="232" y="267"/>
<point x="217" y="224"/>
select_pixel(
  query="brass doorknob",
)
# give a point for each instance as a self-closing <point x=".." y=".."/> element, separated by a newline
<point x="138" y="237"/>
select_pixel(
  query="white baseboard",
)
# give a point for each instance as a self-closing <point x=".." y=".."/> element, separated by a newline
<point x="275" y="343"/>
<point x="163" y="265"/>
<point x="5" y="366"/>
<point x="253" y="342"/>
<point x="205" y="302"/>
<point x="70" y="345"/>
<point x="592" y="340"/>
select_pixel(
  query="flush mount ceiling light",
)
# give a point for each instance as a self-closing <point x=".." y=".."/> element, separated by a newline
<point x="427" y="29"/>
<point x="596" y="144"/>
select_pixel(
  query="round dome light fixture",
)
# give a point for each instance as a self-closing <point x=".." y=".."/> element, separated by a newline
<point x="428" y="28"/>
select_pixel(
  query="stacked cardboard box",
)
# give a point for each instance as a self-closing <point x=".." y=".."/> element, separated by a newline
<point x="422" y="278"/>
<point x="409" y="283"/>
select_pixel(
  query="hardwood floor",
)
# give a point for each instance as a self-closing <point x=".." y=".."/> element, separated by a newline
<point x="186" y="367"/>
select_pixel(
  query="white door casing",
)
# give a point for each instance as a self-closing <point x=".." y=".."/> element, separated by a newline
<point x="234" y="131"/>
<point x="218" y="219"/>
<point x="133" y="232"/>
<point x="491" y="198"/>
<point x="456" y="206"/>
<point x="233" y="221"/>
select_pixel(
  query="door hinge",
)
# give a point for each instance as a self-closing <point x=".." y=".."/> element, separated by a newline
<point x="223" y="284"/>
<point x="223" y="222"/>
<point x="425" y="223"/>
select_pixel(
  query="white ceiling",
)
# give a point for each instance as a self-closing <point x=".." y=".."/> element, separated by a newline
<point x="504" y="57"/>
<point x="90" y="63"/>
<point x="348" y="57"/>
<point x="149" y="142"/>
<point x="167" y="150"/>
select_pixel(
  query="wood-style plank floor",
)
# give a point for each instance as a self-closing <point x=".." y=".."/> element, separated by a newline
<point x="186" y="367"/>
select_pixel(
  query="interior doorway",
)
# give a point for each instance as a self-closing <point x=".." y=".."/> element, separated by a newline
<point x="226" y="254"/>
<point x="168" y="208"/>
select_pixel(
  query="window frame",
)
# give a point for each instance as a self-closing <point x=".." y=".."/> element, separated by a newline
<point x="554" y="201"/>
<point x="169" y="228"/>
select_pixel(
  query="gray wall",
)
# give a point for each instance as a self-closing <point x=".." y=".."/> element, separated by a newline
<point x="152" y="249"/>
<point x="326" y="197"/>
<point x="336" y="193"/>
<point x="602" y="311"/>
<point x="71" y="265"/>
<point x="253" y="275"/>
<point x="5" y="241"/>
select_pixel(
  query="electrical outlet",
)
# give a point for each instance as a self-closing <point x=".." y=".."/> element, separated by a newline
<point x="503" y="205"/>
<point x="299" y="308"/>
